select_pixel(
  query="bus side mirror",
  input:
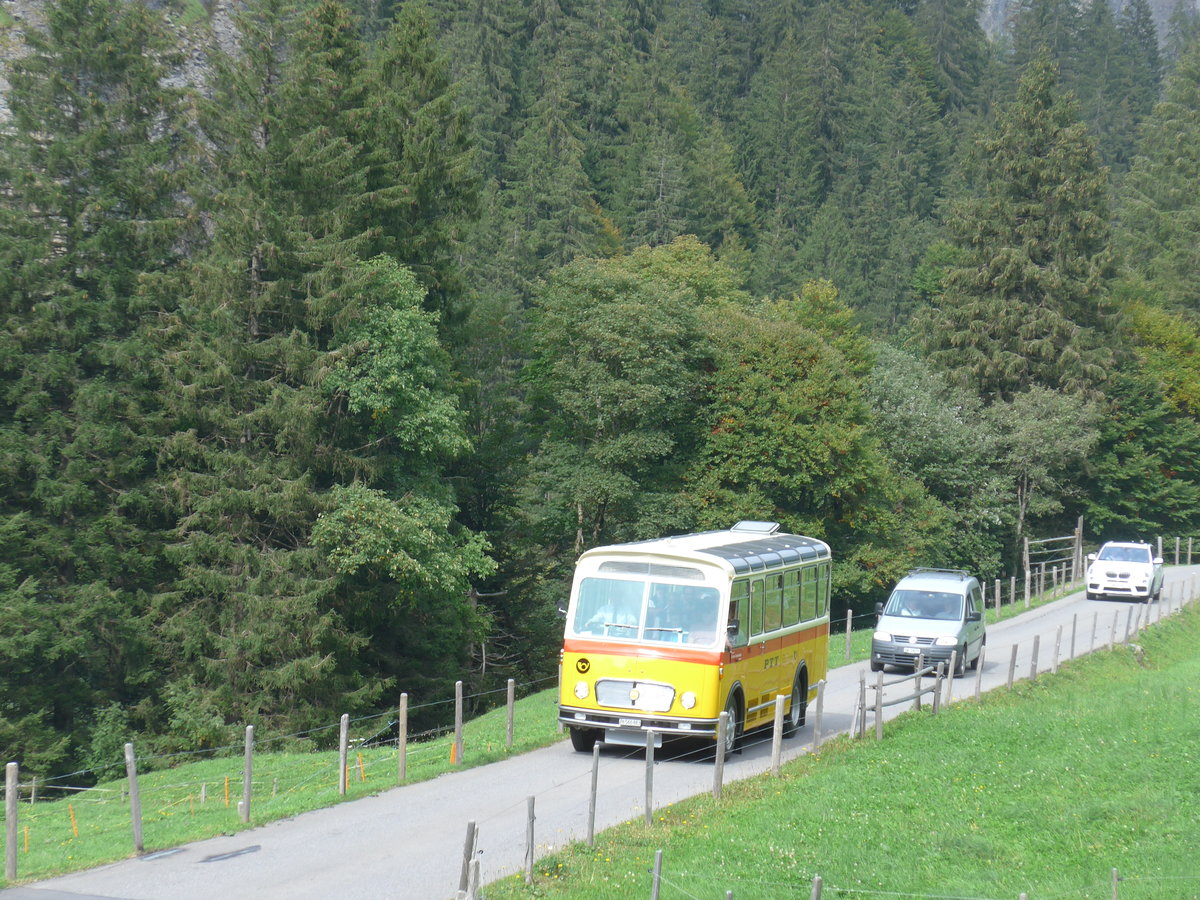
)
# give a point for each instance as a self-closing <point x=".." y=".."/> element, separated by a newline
<point x="734" y="627"/>
<point x="562" y="611"/>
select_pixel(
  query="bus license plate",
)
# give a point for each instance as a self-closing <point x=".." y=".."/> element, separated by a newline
<point x="629" y="723"/>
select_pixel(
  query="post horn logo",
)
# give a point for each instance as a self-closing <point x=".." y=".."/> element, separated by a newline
<point x="582" y="666"/>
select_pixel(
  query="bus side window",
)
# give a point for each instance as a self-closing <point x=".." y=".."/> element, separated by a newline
<point x="756" y="607"/>
<point x="811" y="589"/>
<point x="791" y="598"/>
<point x="773" y="603"/>
<point x="823" y="589"/>
<point x="739" y="610"/>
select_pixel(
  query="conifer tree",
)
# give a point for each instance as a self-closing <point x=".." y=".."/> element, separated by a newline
<point x="91" y="168"/>
<point x="1158" y="214"/>
<point x="1027" y="306"/>
<point x="311" y="412"/>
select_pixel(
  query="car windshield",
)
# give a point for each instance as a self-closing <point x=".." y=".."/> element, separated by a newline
<point x="1125" y="554"/>
<point x="924" y="604"/>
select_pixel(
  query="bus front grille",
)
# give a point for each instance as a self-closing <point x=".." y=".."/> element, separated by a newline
<point x="647" y="696"/>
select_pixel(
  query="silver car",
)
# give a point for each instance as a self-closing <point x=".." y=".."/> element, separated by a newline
<point x="931" y="614"/>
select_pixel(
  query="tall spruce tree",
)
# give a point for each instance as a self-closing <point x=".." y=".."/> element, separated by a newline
<point x="91" y="168"/>
<point x="1158" y="210"/>
<point x="311" y="413"/>
<point x="1027" y="306"/>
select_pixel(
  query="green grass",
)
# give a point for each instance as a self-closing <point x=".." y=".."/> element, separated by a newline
<point x="199" y="800"/>
<point x="1045" y="790"/>
<point x="188" y="802"/>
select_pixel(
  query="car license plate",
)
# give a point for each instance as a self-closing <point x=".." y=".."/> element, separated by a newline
<point x="913" y="650"/>
<point x="630" y="723"/>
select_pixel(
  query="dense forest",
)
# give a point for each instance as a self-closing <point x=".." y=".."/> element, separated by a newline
<point x="334" y="331"/>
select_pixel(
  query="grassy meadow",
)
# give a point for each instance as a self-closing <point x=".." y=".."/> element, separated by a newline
<point x="1043" y="790"/>
<point x="194" y="800"/>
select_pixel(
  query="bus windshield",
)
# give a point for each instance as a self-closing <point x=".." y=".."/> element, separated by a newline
<point x="642" y="610"/>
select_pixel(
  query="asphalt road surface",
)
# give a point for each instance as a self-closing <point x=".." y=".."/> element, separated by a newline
<point x="407" y="842"/>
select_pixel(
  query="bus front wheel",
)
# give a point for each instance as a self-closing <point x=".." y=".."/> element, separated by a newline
<point x="733" y="724"/>
<point x="584" y="739"/>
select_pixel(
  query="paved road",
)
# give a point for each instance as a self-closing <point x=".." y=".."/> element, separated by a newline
<point x="407" y="842"/>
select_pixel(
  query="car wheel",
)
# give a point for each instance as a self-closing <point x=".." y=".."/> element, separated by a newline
<point x="799" y="711"/>
<point x="960" y="664"/>
<point x="876" y="666"/>
<point x="733" y="727"/>
<point x="584" y="739"/>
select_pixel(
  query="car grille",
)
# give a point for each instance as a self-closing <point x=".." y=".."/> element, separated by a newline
<point x="907" y="639"/>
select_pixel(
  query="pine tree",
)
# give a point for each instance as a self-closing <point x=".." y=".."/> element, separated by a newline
<point x="91" y="170"/>
<point x="1028" y="306"/>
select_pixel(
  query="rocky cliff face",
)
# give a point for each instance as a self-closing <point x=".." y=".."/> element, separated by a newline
<point x="197" y="39"/>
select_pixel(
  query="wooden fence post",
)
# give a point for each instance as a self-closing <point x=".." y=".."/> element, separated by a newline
<point x="12" y="788"/>
<point x="591" y="838"/>
<point x="820" y="714"/>
<point x="1012" y="666"/>
<point x="816" y="888"/>
<point x="649" y="777"/>
<point x="135" y="803"/>
<point x="511" y="701"/>
<point x="343" y="746"/>
<point x="468" y="854"/>
<point x="979" y="671"/>
<point x="1033" y="663"/>
<point x="529" y="849"/>
<point x="849" y="630"/>
<point x="402" y="740"/>
<point x="458" y="722"/>
<point x="719" y="754"/>
<point x="247" y="773"/>
<point x="777" y="735"/>
<point x="656" y="878"/>
<point x="879" y="707"/>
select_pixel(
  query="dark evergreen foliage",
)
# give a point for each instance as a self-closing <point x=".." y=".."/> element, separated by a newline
<point x="428" y="285"/>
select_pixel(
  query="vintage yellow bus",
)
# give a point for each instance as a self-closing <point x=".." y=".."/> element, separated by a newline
<point x="663" y="635"/>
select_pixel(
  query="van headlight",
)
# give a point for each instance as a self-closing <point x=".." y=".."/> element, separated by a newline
<point x="581" y="690"/>
<point x="882" y="636"/>
<point x="946" y="640"/>
<point x="688" y="700"/>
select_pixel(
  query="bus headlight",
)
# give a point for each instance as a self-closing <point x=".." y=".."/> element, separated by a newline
<point x="883" y="636"/>
<point x="688" y="700"/>
<point x="581" y="690"/>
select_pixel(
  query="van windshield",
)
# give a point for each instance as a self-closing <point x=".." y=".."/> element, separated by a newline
<point x="924" y="605"/>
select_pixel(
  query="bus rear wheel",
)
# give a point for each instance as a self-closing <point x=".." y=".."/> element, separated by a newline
<point x="584" y="739"/>
<point x="799" y="711"/>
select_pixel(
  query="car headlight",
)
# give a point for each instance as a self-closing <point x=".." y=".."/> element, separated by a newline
<point x="581" y="689"/>
<point x="882" y="636"/>
<point x="946" y="640"/>
<point x="688" y="700"/>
